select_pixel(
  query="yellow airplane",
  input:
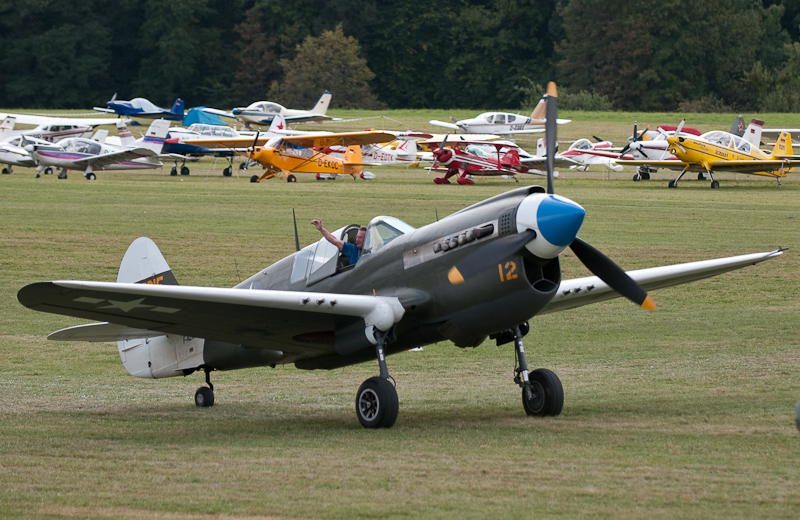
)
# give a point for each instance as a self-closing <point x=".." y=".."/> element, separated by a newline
<point x="284" y="156"/>
<point x="719" y="151"/>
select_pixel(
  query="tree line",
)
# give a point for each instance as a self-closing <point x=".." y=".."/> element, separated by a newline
<point x="692" y="55"/>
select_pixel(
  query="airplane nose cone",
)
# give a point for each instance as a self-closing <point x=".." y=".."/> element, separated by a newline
<point x="236" y="111"/>
<point x="559" y="220"/>
<point x="555" y="219"/>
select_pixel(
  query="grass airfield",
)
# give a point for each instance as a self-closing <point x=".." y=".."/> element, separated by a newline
<point x="685" y="412"/>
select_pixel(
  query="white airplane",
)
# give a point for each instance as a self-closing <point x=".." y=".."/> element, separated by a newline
<point x="586" y="153"/>
<point x="263" y="112"/>
<point x="13" y="152"/>
<point x="502" y="123"/>
<point x="93" y="154"/>
<point x="53" y="128"/>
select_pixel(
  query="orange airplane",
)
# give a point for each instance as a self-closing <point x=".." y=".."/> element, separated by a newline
<point x="283" y="156"/>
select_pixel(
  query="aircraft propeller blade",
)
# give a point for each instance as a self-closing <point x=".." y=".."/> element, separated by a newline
<point x="453" y="119"/>
<point x="680" y="126"/>
<point x="252" y="150"/>
<point x="598" y="139"/>
<point x="441" y="147"/>
<point x="485" y="258"/>
<point x="636" y="137"/>
<point x="551" y="132"/>
<point x="296" y="238"/>
<point x="612" y="274"/>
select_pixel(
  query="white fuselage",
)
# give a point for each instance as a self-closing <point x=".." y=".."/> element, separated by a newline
<point x="67" y="152"/>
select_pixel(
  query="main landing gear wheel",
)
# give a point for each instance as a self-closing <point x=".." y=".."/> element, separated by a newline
<point x="5" y="171"/>
<point x="227" y="172"/>
<point x="91" y="176"/>
<point x="673" y="184"/>
<point x="701" y="176"/>
<point x="714" y="185"/>
<point x="377" y="405"/>
<point x="291" y="178"/>
<point x="254" y="178"/>
<point x="204" y="397"/>
<point x="173" y="171"/>
<point x="48" y="171"/>
<point x="637" y="177"/>
<point x="184" y="170"/>
<point x="547" y="394"/>
<point x="61" y="175"/>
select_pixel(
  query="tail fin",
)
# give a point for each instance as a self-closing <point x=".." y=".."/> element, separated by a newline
<point x="144" y="263"/>
<point x="541" y="150"/>
<point x="511" y="158"/>
<point x="125" y="135"/>
<point x="7" y="126"/>
<point x="278" y="124"/>
<point x="753" y="133"/>
<point x="539" y="113"/>
<point x="353" y="160"/>
<point x="177" y="108"/>
<point x="737" y="128"/>
<point x="154" y="138"/>
<point x="322" y="105"/>
<point x="100" y="136"/>
<point x="783" y="146"/>
<point x="407" y="150"/>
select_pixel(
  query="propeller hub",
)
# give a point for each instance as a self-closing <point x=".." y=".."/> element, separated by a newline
<point x="555" y="219"/>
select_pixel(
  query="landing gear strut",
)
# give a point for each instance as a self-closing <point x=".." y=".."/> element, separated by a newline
<point x="376" y="400"/>
<point x="542" y="394"/>
<point x="204" y="397"/>
<point x="184" y="169"/>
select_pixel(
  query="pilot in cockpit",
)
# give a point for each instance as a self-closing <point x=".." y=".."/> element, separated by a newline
<point x="349" y="250"/>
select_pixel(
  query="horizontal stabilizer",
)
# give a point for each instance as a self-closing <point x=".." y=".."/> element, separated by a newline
<point x="97" y="332"/>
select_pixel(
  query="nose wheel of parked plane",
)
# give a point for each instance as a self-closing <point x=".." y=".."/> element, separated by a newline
<point x="377" y="405"/>
<point x="542" y="393"/>
<point x="204" y="397"/>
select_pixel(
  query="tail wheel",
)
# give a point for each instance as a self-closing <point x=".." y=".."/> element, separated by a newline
<point x="376" y="403"/>
<point x="547" y="394"/>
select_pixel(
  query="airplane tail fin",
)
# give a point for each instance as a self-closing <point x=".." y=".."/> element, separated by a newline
<point x="783" y="146"/>
<point x="737" y="128"/>
<point x="177" y="108"/>
<point x="753" y="133"/>
<point x="539" y="112"/>
<point x="541" y="150"/>
<point x="322" y="105"/>
<point x="125" y="135"/>
<point x="353" y="160"/>
<point x="144" y="263"/>
<point x="7" y="126"/>
<point x="278" y="124"/>
<point x="100" y="136"/>
<point x="511" y="158"/>
<point x="154" y="138"/>
<point x="407" y="150"/>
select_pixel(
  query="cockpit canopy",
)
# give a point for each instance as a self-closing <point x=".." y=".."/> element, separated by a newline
<point x="382" y="230"/>
<point x="144" y="105"/>
<point x="81" y="146"/>
<point x="266" y="107"/>
<point x="581" y="144"/>
<point x="213" y="130"/>
<point x="721" y="138"/>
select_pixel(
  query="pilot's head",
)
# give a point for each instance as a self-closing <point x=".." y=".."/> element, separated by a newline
<point x="362" y="232"/>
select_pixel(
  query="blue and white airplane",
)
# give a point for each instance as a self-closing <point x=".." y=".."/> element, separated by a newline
<point x="141" y="107"/>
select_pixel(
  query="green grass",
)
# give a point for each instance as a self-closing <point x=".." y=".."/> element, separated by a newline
<point x="685" y="412"/>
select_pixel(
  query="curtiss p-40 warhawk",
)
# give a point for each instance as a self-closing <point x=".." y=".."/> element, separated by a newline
<point x="484" y="271"/>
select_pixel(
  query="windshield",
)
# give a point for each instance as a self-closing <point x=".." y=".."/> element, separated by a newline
<point x="718" y="138"/>
<point x="144" y="104"/>
<point x="381" y="231"/>
<point x="581" y="144"/>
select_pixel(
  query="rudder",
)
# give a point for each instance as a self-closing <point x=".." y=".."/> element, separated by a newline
<point x="783" y="146"/>
<point x="322" y="104"/>
<point x="144" y="263"/>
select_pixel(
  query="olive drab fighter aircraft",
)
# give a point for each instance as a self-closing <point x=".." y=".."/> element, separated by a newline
<point x="484" y="271"/>
<point x="719" y="151"/>
<point x="283" y="156"/>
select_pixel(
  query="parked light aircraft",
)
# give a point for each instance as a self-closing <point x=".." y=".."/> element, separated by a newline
<point x="51" y="128"/>
<point x="586" y="153"/>
<point x="481" y="272"/>
<point x="404" y="150"/>
<point x="89" y="155"/>
<point x="283" y="156"/>
<point x="144" y="108"/>
<point x="263" y="112"/>
<point x="13" y="152"/>
<point x="501" y="123"/>
<point x="725" y="152"/>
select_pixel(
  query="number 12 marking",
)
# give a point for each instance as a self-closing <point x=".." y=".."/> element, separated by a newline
<point x="509" y="267"/>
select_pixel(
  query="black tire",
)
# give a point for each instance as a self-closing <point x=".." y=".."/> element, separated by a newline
<point x="91" y="176"/>
<point x="376" y="403"/>
<point x="204" y="397"/>
<point x="62" y="175"/>
<point x="227" y="172"/>
<point x="673" y="184"/>
<point x="701" y="177"/>
<point x="48" y="171"/>
<point x="714" y="185"/>
<point x="637" y="177"/>
<point x="241" y="165"/>
<point x="173" y="172"/>
<point x="645" y="176"/>
<point x="5" y="171"/>
<point x="291" y="178"/>
<point x="548" y="394"/>
<point x="184" y="170"/>
<point x="254" y="178"/>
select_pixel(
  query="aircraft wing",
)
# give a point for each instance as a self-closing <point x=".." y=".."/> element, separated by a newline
<point x="672" y="165"/>
<point x="444" y="124"/>
<point x="342" y="139"/>
<point x="115" y="157"/>
<point x="753" y="166"/>
<point x="583" y="291"/>
<point x="25" y="119"/>
<point x="218" y="112"/>
<point x="256" y="318"/>
<point x="540" y="162"/>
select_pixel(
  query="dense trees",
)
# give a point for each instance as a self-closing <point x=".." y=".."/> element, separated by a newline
<point x="633" y="54"/>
